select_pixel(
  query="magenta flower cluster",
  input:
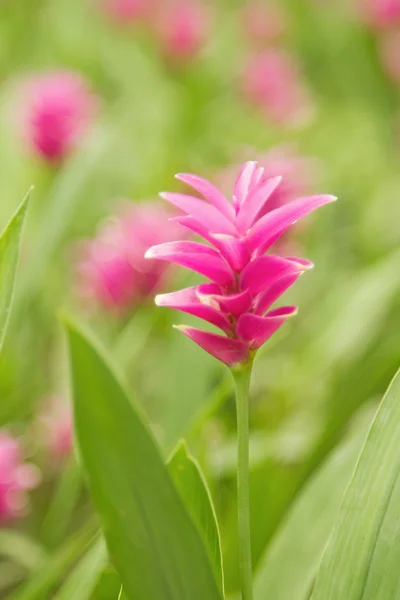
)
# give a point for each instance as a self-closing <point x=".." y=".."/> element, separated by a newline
<point x="245" y="281"/>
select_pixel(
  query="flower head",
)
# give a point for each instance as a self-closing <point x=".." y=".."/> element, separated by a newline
<point x="380" y="14"/>
<point x="181" y="29"/>
<point x="16" y="478"/>
<point x="111" y="270"/>
<point x="128" y="11"/>
<point x="263" y="22"/>
<point x="59" y="108"/>
<point x="245" y="281"/>
<point x="271" y="81"/>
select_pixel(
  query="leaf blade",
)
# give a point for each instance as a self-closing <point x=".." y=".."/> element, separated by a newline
<point x="158" y="557"/>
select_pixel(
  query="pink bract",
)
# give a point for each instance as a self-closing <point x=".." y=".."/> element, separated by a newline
<point x="57" y="112"/>
<point x="390" y="54"/>
<point x="181" y="28"/>
<point x="128" y="11"/>
<point x="380" y="14"/>
<point x="111" y="270"/>
<point x="57" y="426"/>
<point x="16" y="478"/>
<point x="272" y="82"/>
<point x="245" y="281"/>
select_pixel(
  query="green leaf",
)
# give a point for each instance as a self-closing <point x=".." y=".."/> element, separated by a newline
<point x="290" y="563"/>
<point x="9" y="252"/>
<point x="54" y="569"/>
<point x="192" y="486"/>
<point x="362" y="558"/>
<point x="152" y="540"/>
<point x="21" y="549"/>
<point x="82" y="581"/>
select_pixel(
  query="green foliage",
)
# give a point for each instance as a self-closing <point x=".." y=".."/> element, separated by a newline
<point x="152" y="540"/>
<point x="190" y="482"/>
<point x="361" y="558"/>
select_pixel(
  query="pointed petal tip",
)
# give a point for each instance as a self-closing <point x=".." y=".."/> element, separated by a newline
<point x="149" y="253"/>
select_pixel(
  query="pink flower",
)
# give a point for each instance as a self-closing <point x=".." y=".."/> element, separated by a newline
<point x="381" y="14"/>
<point x="128" y="11"/>
<point x="111" y="268"/>
<point x="390" y="54"/>
<point x="57" y="425"/>
<point x="272" y="83"/>
<point x="263" y="22"/>
<point x="57" y="112"/>
<point x="182" y="28"/>
<point x="245" y="282"/>
<point x="16" y="478"/>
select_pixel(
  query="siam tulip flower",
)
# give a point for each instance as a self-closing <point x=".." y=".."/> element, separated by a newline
<point x="57" y="113"/>
<point x="380" y="14"/>
<point x="128" y="11"/>
<point x="245" y="282"/>
<point x="262" y="22"/>
<point x="57" y="425"/>
<point x="16" y="478"/>
<point x="111" y="268"/>
<point x="182" y="28"/>
<point x="271" y="82"/>
<point x="390" y="54"/>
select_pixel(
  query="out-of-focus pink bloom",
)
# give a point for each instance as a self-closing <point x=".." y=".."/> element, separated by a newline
<point x="380" y="14"/>
<point x="181" y="28"/>
<point x="263" y="22"/>
<point x="245" y="282"/>
<point x="390" y="54"/>
<point x="16" y="478"/>
<point x="272" y="82"/>
<point x="57" y="425"/>
<point x="111" y="268"/>
<point x="58" y="109"/>
<point x="128" y="11"/>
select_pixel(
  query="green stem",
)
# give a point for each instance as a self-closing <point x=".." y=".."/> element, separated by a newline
<point x="241" y="376"/>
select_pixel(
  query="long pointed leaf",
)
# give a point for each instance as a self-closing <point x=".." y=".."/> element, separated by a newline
<point x="190" y="482"/>
<point x="152" y="540"/>
<point x="362" y="558"/>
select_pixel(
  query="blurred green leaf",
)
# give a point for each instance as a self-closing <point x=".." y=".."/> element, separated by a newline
<point x="290" y="562"/>
<point x="361" y="561"/>
<point x="152" y="540"/>
<point x="54" y="569"/>
<point x="192" y="486"/>
<point x="82" y="581"/>
<point x="9" y="252"/>
<point x="108" y="585"/>
<point x="23" y="550"/>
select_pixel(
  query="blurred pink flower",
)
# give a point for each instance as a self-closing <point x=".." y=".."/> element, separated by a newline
<point x="380" y="14"/>
<point x="181" y="28"/>
<point x="390" y="54"/>
<point x="57" y="425"/>
<point x="111" y="268"/>
<point x="262" y="22"/>
<point x="271" y="81"/>
<point x="57" y="110"/>
<point x="128" y="11"/>
<point x="16" y="478"/>
<point x="245" y="282"/>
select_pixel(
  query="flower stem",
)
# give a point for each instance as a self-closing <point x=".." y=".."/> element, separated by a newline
<point x="241" y="376"/>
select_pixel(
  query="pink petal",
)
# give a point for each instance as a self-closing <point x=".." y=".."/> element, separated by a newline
<point x="256" y="330"/>
<point x="195" y="226"/>
<point x="227" y="350"/>
<point x="190" y="301"/>
<point x="278" y="220"/>
<point x="243" y="183"/>
<point x="275" y="291"/>
<point x="303" y="262"/>
<point x="232" y="249"/>
<point x="233" y="304"/>
<point x="210" y="193"/>
<point x="207" y="214"/>
<point x="264" y="271"/>
<point x="254" y="203"/>
<point x="195" y="256"/>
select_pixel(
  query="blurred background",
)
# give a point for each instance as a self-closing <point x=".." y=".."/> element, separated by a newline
<point x="101" y="103"/>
